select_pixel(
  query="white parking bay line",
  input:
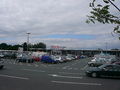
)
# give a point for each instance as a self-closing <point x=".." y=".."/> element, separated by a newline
<point x="14" y="77"/>
<point x="36" y="65"/>
<point x="33" y="70"/>
<point x="62" y="82"/>
<point x="55" y="75"/>
<point x="84" y="67"/>
<point x="65" y="67"/>
<point x="69" y="73"/>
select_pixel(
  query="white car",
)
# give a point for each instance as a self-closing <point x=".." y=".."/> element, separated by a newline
<point x="100" y="61"/>
<point x="1" y="55"/>
<point x="57" y="58"/>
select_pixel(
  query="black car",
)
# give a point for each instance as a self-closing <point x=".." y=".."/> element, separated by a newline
<point x="106" y="70"/>
<point x="1" y="63"/>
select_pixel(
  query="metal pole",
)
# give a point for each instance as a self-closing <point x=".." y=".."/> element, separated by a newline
<point x="28" y="40"/>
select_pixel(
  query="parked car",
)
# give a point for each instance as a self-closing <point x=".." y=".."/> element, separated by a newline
<point x="1" y="55"/>
<point x="82" y="56"/>
<point x="57" y="58"/>
<point x="97" y="62"/>
<point x="100" y="61"/>
<point x="24" y="58"/>
<point x="117" y="63"/>
<point x="48" y="59"/>
<point x="37" y="59"/>
<point x="106" y="70"/>
<point x="69" y="58"/>
<point x="1" y="63"/>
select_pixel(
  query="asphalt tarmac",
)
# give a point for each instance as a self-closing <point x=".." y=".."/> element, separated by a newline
<point x="42" y="76"/>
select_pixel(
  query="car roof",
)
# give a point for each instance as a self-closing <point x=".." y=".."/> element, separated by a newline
<point x="104" y="65"/>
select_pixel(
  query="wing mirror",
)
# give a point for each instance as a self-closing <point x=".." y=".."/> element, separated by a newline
<point x="104" y="69"/>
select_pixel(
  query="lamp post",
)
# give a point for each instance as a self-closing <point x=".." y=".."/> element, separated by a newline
<point x="28" y="40"/>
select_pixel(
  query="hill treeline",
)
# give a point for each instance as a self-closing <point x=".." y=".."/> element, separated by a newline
<point x="5" y="46"/>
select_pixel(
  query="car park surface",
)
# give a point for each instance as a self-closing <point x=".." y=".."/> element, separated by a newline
<point x="61" y="76"/>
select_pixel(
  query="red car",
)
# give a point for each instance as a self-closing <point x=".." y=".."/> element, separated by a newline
<point x="37" y="58"/>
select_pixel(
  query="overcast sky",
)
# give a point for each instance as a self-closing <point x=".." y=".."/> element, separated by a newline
<point x="54" y="22"/>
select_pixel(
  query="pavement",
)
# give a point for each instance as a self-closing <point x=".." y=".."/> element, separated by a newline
<point x="42" y="76"/>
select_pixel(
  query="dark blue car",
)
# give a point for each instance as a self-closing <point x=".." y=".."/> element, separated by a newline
<point x="48" y="59"/>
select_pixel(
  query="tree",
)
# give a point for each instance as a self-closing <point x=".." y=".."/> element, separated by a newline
<point x="101" y="13"/>
<point x="24" y="46"/>
<point x="3" y="46"/>
<point x="15" y="47"/>
<point x="39" y="45"/>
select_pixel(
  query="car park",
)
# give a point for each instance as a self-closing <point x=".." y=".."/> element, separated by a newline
<point x="106" y="70"/>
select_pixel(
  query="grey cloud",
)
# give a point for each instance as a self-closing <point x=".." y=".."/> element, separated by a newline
<point x="46" y="17"/>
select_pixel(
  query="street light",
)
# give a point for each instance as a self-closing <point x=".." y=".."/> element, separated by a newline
<point x="106" y="47"/>
<point x="28" y="40"/>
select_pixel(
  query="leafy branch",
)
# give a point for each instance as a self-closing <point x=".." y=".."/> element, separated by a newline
<point x="101" y="13"/>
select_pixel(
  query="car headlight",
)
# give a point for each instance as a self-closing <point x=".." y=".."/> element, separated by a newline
<point x="88" y="71"/>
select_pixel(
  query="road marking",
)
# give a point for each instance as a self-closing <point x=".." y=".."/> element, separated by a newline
<point x="36" y="65"/>
<point x="43" y="65"/>
<point x="92" y="84"/>
<point x="75" y="68"/>
<point x="66" y="67"/>
<point x="14" y="63"/>
<point x="14" y="77"/>
<point x="68" y="73"/>
<point x="55" y="75"/>
<point x="69" y="68"/>
<point x="33" y="70"/>
<point x="84" y="67"/>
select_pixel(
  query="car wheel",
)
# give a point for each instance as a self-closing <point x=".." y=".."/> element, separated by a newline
<point x="94" y="74"/>
<point x="92" y="65"/>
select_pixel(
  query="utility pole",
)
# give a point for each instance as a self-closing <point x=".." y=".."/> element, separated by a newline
<point x="28" y="40"/>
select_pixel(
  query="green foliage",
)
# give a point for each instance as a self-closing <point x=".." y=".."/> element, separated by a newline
<point x="5" y="46"/>
<point x="24" y="46"/>
<point x="39" y="45"/>
<point x="101" y="13"/>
